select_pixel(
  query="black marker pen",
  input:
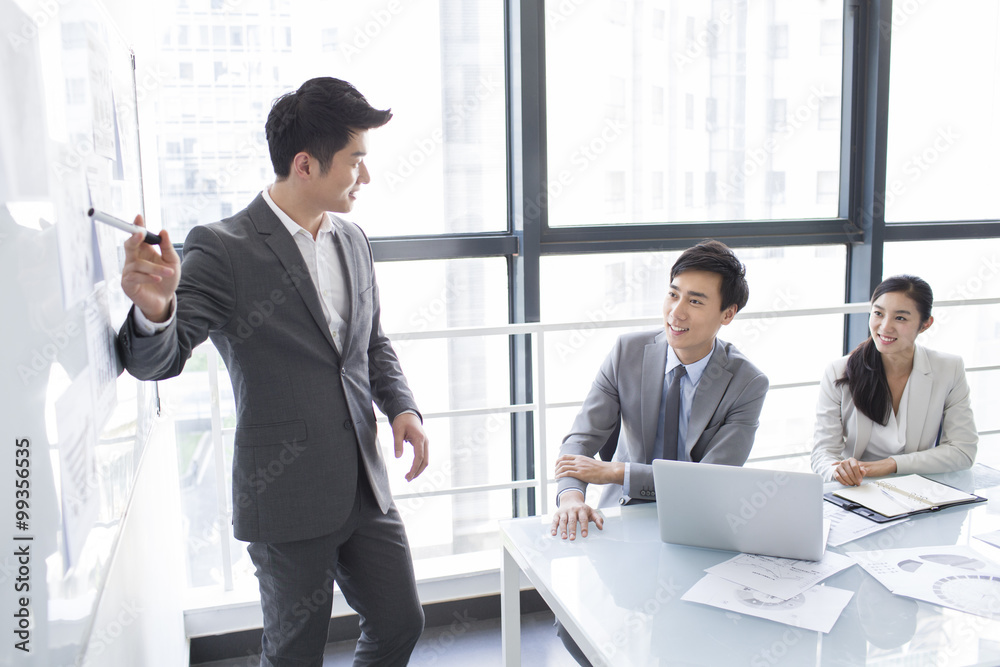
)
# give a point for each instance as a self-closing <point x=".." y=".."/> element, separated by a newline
<point x="152" y="239"/>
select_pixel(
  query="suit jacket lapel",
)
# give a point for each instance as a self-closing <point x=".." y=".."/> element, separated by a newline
<point x="348" y="260"/>
<point x="284" y="247"/>
<point x="919" y="399"/>
<point x="707" y="397"/>
<point x="654" y="362"/>
<point x="862" y="429"/>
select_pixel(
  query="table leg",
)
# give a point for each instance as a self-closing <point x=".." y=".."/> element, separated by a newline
<point x="510" y="610"/>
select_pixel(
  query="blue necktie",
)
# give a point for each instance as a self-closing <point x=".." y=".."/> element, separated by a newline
<point x="665" y="446"/>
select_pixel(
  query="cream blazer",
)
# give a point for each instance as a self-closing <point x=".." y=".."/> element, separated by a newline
<point x="938" y="406"/>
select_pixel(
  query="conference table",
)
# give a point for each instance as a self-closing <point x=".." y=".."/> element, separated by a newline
<point x="618" y="593"/>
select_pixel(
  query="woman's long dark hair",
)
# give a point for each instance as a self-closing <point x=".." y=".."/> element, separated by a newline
<point x="865" y="374"/>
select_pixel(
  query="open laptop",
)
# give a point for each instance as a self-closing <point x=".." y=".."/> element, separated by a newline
<point x="767" y="512"/>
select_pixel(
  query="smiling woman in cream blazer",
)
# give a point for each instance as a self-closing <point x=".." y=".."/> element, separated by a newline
<point x="922" y="396"/>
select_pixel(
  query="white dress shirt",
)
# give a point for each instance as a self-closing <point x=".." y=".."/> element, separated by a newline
<point x="890" y="439"/>
<point x="689" y="384"/>
<point x="325" y="268"/>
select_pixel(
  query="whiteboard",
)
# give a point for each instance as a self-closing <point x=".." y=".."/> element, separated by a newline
<point x="74" y="427"/>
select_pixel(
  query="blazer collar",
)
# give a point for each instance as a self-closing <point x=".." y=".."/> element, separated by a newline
<point x="281" y="243"/>
<point x="349" y="261"/>
<point x="654" y="361"/>
<point x="707" y="397"/>
<point x="921" y="382"/>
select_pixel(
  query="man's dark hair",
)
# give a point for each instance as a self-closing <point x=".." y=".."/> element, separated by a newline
<point x="318" y="118"/>
<point x="716" y="257"/>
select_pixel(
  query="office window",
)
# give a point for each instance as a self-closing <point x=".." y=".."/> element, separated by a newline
<point x="330" y="38"/>
<point x="656" y="190"/>
<point x="448" y="128"/>
<point x="830" y="37"/>
<point x="659" y="22"/>
<point x="76" y="90"/>
<point x="615" y="192"/>
<point x="943" y="139"/>
<point x="712" y="38"/>
<point x="656" y="103"/>
<point x="829" y="113"/>
<point x="778" y="114"/>
<point x="182" y="35"/>
<point x="960" y="270"/>
<point x="779" y="41"/>
<point x="741" y="80"/>
<point x="710" y="188"/>
<point x="776" y="187"/>
<point x="616" y="286"/>
<point x="689" y="189"/>
<point x="467" y="373"/>
<point x="827" y="187"/>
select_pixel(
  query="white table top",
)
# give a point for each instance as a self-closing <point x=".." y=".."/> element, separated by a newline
<point x="618" y="590"/>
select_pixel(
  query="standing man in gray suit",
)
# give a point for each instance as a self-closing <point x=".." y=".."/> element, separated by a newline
<point x="718" y="394"/>
<point x="286" y="291"/>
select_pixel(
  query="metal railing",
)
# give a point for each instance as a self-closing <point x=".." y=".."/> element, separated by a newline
<point x="537" y="333"/>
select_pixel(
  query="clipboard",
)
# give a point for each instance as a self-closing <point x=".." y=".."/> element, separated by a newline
<point x="888" y="486"/>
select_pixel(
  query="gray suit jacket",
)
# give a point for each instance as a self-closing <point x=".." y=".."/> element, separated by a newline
<point x="941" y="433"/>
<point x="304" y="412"/>
<point x="724" y="413"/>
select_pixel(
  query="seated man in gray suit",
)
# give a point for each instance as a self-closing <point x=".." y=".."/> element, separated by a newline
<point x="677" y="393"/>
<point x="286" y="290"/>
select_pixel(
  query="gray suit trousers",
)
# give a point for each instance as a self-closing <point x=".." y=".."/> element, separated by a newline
<point x="369" y="558"/>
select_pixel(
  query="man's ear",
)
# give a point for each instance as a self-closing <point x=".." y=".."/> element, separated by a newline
<point x="302" y="165"/>
<point x="728" y="314"/>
